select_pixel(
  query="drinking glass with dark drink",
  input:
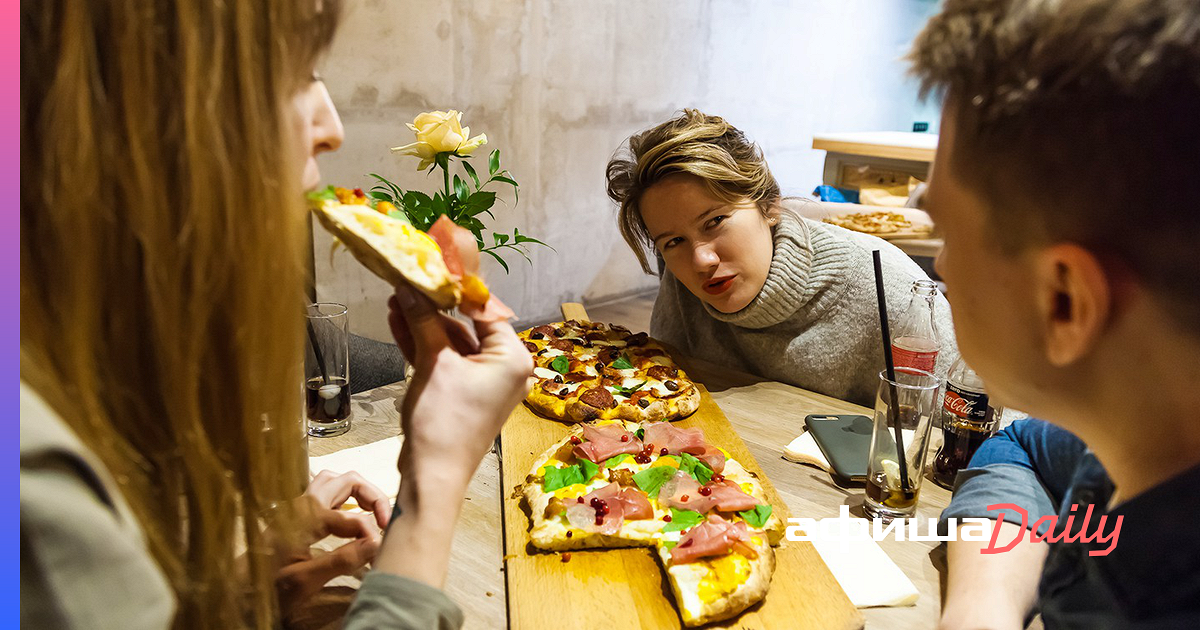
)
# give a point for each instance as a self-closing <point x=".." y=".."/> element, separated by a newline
<point x="895" y="471"/>
<point x="327" y="370"/>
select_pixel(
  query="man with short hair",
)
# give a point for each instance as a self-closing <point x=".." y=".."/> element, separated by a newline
<point x="1065" y="186"/>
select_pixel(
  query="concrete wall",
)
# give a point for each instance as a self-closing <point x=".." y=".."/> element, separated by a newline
<point x="558" y="85"/>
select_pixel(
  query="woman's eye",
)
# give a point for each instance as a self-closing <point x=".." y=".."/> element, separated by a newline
<point x="672" y="243"/>
<point x="715" y="221"/>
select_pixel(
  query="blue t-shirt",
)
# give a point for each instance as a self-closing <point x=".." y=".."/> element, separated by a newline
<point x="1149" y="579"/>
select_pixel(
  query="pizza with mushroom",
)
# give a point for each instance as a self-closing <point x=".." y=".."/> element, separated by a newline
<point x="616" y="483"/>
<point x="589" y="371"/>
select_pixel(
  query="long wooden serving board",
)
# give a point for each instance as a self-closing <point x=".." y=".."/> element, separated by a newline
<point x="626" y="588"/>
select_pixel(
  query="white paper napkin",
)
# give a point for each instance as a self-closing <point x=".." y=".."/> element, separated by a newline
<point x="375" y="461"/>
<point x="861" y="567"/>
<point x="865" y="571"/>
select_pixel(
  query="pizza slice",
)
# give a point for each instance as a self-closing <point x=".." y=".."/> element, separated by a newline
<point x="615" y="483"/>
<point x="717" y="569"/>
<point x="442" y="263"/>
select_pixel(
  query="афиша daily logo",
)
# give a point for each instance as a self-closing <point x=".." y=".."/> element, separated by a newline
<point x="846" y="528"/>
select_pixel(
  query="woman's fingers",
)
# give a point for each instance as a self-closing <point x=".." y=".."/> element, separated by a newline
<point x="421" y="323"/>
<point x="300" y="580"/>
<point x="331" y="491"/>
<point x="461" y="338"/>
<point x="400" y="330"/>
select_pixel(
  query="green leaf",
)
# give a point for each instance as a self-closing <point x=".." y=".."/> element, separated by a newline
<point x="460" y="189"/>
<point x="622" y="363"/>
<point x="626" y="391"/>
<point x="682" y="520"/>
<point x="494" y="162"/>
<point x="555" y="478"/>
<point x="561" y="365"/>
<point x="398" y="215"/>
<point x="381" y="196"/>
<point x="616" y="459"/>
<point x="757" y="517"/>
<point x="696" y="468"/>
<point x="589" y="469"/>
<point x="383" y="181"/>
<point x="471" y="172"/>
<point x="500" y="238"/>
<point x="325" y="194"/>
<point x="497" y="257"/>
<point x="479" y="202"/>
<point x="506" y="180"/>
<point x="651" y="479"/>
<point x="670" y="544"/>
<point x="640" y="433"/>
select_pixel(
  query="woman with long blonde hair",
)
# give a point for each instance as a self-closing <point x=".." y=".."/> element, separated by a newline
<point x="165" y="147"/>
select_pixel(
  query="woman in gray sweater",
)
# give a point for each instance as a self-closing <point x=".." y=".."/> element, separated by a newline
<point x="749" y="283"/>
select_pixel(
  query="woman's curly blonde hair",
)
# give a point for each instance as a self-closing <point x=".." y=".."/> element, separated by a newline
<point x="730" y="166"/>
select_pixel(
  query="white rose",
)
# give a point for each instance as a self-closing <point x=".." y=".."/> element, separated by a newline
<point x="440" y="132"/>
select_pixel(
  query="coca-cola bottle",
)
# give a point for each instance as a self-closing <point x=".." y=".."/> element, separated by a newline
<point x="967" y="419"/>
<point x="915" y="342"/>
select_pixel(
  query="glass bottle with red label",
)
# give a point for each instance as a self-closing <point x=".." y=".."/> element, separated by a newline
<point x="916" y="341"/>
<point x="967" y="417"/>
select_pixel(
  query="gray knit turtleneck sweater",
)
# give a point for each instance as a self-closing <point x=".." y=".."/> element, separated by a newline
<point x="815" y="324"/>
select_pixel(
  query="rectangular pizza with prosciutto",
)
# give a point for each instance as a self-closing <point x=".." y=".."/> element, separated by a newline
<point x="589" y="371"/>
<point x="617" y="483"/>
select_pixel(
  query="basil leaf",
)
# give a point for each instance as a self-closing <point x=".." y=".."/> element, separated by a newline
<point x="640" y="433"/>
<point x="616" y="459"/>
<point x="622" y="363"/>
<point x="588" y="469"/>
<point x="325" y="194"/>
<point x="696" y="468"/>
<point x="683" y="519"/>
<point x="626" y="391"/>
<point x="555" y="478"/>
<point x="561" y="365"/>
<point x="670" y="544"/>
<point x="757" y="517"/>
<point x="651" y="479"/>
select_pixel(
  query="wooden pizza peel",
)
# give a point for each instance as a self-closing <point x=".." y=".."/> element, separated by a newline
<point x="626" y="588"/>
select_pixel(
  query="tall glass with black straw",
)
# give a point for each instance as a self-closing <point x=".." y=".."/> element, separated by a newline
<point x="903" y="413"/>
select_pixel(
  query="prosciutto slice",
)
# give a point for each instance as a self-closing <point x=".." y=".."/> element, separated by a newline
<point x="690" y="441"/>
<point x="714" y="537"/>
<point x="683" y="493"/>
<point x="624" y="504"/>
<point x="604" y="442"/>
<point x="461" y="254"/>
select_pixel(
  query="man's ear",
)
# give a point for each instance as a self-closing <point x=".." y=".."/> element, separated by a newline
<point x="1074" y="300"/>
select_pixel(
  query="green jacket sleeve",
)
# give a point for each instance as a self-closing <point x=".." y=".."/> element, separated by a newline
<point x="394" y="602"/>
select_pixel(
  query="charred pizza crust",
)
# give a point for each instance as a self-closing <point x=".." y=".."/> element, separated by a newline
<point x="606" y="372"/>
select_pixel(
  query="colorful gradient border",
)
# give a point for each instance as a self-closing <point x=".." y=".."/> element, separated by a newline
<point x="10" y="319"/>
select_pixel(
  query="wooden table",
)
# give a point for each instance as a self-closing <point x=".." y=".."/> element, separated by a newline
<point x="767" y="415"/>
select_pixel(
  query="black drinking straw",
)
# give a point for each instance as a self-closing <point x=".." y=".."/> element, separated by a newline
<point x="312" y="338"/>
<point x="891" y="370"/>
